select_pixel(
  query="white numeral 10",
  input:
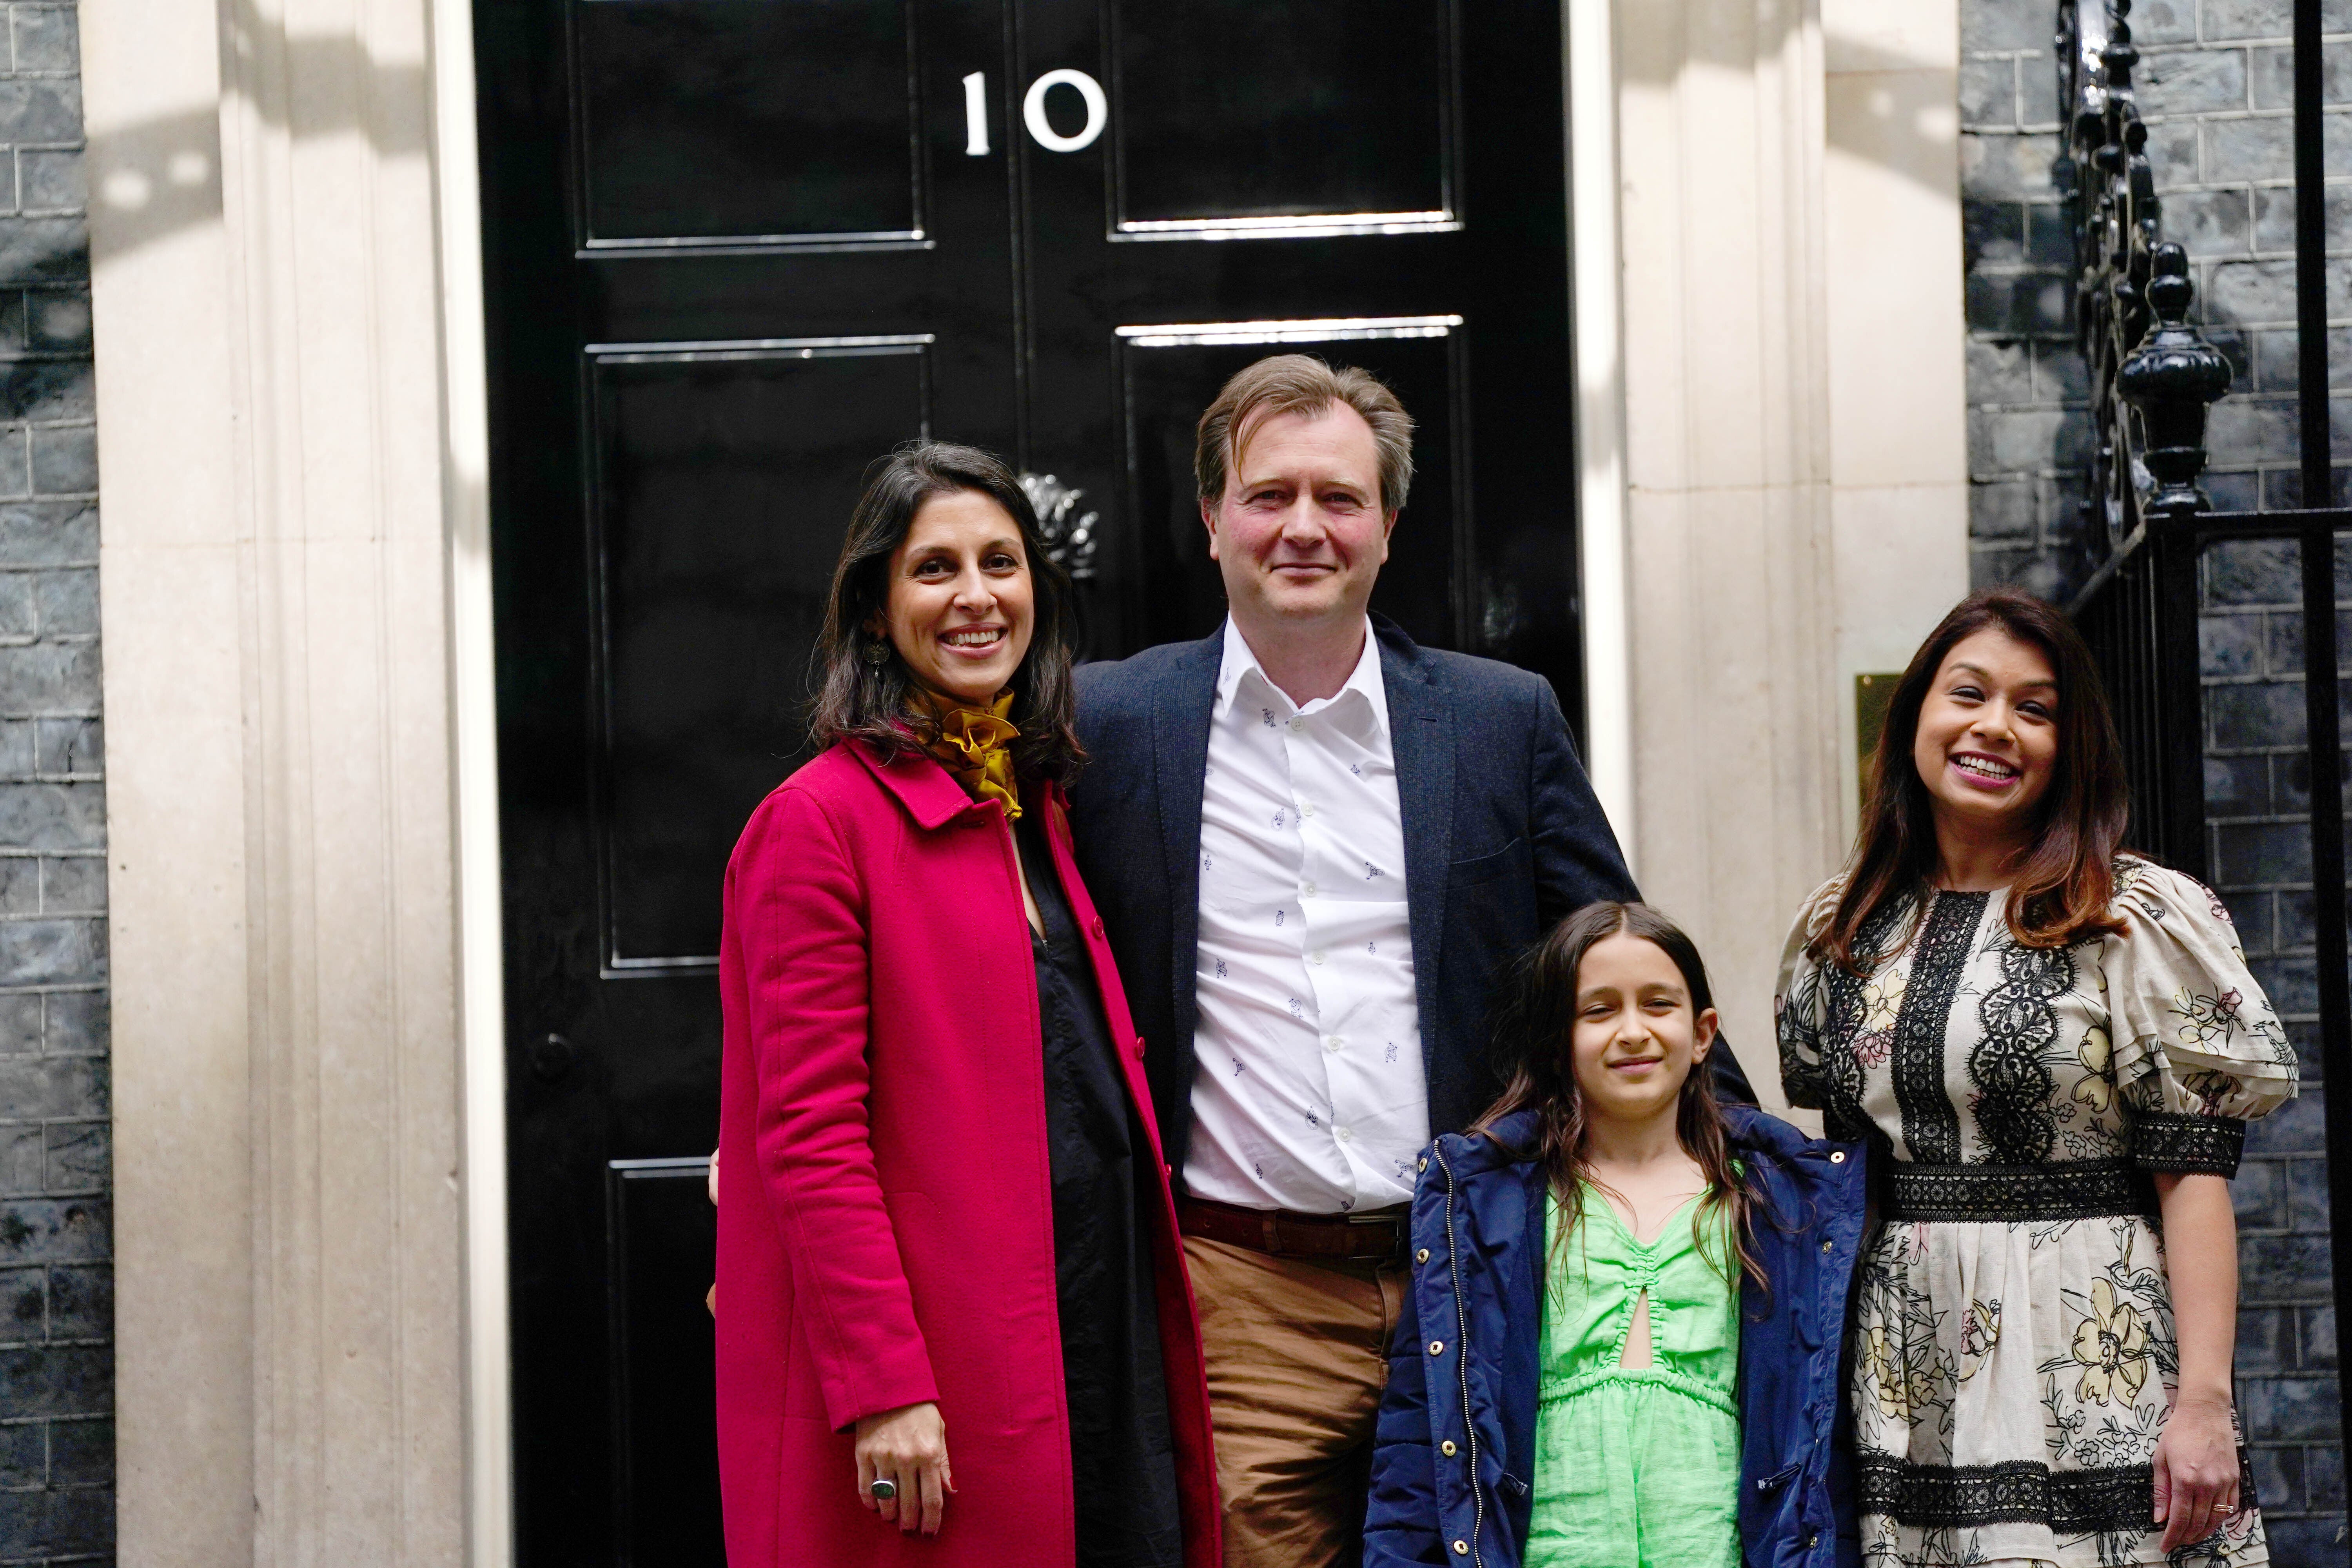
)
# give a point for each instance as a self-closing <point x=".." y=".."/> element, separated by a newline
<point x="1032" y="112"/>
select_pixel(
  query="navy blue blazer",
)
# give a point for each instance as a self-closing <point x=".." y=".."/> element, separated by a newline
<point x="1502" y="839"/>
<point x="1453" y="1459"/>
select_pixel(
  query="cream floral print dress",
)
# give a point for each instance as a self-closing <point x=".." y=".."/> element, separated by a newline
<point x="2014" y="1347"/>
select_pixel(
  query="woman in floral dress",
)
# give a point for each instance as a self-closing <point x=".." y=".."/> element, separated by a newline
<point x="2055" y="1048"/>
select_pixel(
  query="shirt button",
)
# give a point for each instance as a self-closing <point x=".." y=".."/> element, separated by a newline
<point x="1315" y="957"/>
<point x="1305" y="890"/>
<point x="1334" y="1042"/>
<point x="1305" y="808"/>
<point x="1437" y="1347"/>
<point x="1298" y="722"/>
<point x="1423" y="1257"/>
<point x="1446" y="1448"/>
<point x="1344" y="1135"/>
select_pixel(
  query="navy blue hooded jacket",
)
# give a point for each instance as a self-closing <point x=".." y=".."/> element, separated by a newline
<point x="1456" y="1449"/>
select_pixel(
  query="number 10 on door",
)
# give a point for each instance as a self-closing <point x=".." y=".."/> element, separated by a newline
<point x="1033" y="112"/>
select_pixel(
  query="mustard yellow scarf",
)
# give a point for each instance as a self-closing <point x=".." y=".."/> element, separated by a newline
<point x="975" y="744"/>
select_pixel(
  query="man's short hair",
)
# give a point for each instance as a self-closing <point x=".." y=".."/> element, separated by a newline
<point x="1301" y="384"/>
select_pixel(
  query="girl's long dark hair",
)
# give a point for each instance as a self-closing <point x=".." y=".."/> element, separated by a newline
<point x="1533" y="1045"/>
<point x="859" y="700"/>
<point x="2062" y="890"/>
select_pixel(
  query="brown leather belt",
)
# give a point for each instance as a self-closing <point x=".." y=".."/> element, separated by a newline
<point x="1377" y="1234"/>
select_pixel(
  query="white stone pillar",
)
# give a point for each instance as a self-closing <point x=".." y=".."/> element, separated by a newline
<point x="1794" y="436"/>
<point x="1729" y="578"/>
<point x="275" y="575"/>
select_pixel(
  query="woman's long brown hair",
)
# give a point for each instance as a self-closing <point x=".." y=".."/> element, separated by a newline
<point x="2062" y="890"/>
<point x="1534" y="1030"/>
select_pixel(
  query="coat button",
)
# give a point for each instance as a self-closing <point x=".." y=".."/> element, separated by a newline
<point x="1461" y="1549"/>
<point x="1138" y="1047"/>
<point x="1421" y="1257"/>
<point x="1837" y="1156"/>
<point x="1437" y="1347"/>
<point x="1446" y="1448"/>
<point x="1097" y="928"/>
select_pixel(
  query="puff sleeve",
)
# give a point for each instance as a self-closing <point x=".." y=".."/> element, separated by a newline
<point x="2198" y="1050"/>
<point x="1801" y="1002"/>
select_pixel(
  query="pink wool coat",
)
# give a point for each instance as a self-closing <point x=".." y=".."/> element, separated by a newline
<point x="886" y="1231"/>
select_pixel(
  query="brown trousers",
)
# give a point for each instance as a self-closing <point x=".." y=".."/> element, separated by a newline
<point x="1297" y="1355"/>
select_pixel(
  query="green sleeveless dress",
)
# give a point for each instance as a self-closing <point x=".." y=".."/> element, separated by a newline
<point x="1636" y="1468"/>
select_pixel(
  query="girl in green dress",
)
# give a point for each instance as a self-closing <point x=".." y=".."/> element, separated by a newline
<point x="1568" y="1388"/>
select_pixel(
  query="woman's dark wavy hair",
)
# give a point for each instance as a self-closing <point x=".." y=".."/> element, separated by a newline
<point x="856" y="701"/>
<point x="2067" y="880"/>
<point x="1534" y="1031"/>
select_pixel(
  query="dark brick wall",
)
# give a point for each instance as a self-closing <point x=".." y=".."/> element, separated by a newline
<point x="57" y="1297"/>
<point x="2215" y="87"/>
<point x="2258" y="798"/>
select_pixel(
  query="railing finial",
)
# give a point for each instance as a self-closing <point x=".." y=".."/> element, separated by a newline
<point x="2168" y="381"/>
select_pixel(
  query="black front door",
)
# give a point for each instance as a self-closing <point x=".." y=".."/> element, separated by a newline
<point x="739" y="248"/>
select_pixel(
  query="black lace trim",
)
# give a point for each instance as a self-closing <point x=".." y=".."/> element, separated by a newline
<point x="2017" y="1041"/>
<point x="2167" y="1140"/>
<point x="2071" y="1502"/>
<point x="2117" y="1500"/>
<point x="1931" y="1123"/>
<point x="2064" y="1189"/>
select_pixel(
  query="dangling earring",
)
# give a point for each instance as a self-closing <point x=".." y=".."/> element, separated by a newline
<point x="878" y="652"/>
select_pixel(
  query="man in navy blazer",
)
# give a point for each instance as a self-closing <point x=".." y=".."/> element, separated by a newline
<point x="1226" y="777"/>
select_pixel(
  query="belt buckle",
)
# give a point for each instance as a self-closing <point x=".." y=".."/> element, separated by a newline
<point x="1398" y="1251"/>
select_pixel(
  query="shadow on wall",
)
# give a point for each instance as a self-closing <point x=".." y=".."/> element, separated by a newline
<point x="152" y="178"/>
<point x="1910" y="135"/>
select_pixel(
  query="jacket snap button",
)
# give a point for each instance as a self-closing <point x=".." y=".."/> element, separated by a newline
<point x="1446" y="1448"/>
<point x="1437" y="1347"/>
<point x="1837" y="1156"/>
<point x="1424" y="1165"/>
<point x="1461" y="1549"/>
<point x="1421" y="1257"/>
<point x="1829" y="1247"/>
<point x="1811" y="1537"/>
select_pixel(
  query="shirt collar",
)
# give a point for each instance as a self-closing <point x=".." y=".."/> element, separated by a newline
<point x="1364" y="683"/>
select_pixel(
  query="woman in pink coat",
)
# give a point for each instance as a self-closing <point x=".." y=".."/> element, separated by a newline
<point x="953" y="1327"/>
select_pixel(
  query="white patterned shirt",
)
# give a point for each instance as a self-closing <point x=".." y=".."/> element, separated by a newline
<point x="1310" y="1094"/>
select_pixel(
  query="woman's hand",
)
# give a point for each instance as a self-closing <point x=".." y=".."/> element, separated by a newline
<point x="711" y="1299"/>
<point x="2196" y="1470"/>
<point x="907" y="1445"/>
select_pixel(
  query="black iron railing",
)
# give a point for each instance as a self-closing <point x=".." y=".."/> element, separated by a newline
<point x="2150" y="528"/>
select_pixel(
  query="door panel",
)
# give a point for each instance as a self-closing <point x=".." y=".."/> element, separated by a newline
<point x="745" y="121"/>
<point x="738" y="249"/>
<point x="1219" y="130"/>
<point x="660" y="1219"/>
<point x="724" y="480"/>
